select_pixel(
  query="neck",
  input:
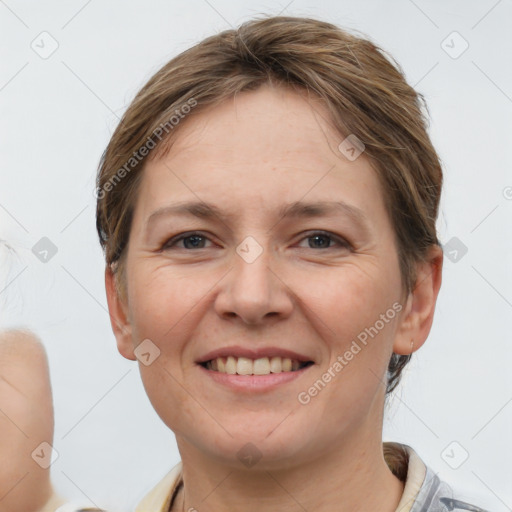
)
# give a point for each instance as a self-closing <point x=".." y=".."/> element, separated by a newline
<point x="351" y="477"/>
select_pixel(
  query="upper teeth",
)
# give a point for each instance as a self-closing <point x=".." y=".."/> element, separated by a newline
<point x="246" y="366"/>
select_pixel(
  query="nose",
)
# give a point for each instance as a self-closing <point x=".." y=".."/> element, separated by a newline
<point x="254" y="292"/>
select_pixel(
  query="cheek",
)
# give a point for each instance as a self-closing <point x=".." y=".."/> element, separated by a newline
<point x="353" y="313"/>
<point x="343" y="302"/>
<point x="166" y="307"/>
<point x="158" y="302"/>
<point x="164" y="310"/>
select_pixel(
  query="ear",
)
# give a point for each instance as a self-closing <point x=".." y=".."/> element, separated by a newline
<point x="418" y="314"/>
<point x="119" y="319"/>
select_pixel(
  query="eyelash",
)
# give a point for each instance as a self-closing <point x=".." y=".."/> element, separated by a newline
<point x="169" y="244"/>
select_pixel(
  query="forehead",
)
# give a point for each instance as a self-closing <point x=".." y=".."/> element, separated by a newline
<point x="285" y="123"/>
<point x="270" y="147"/>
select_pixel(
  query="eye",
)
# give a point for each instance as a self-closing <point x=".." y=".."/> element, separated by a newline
<point x="191" y="240"/>
<point x="323" y="239"/>
<point x="197" y="240"/>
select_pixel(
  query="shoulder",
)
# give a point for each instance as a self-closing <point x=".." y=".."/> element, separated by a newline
<point x="436" y="495"/>
<point x="160" y="497"/>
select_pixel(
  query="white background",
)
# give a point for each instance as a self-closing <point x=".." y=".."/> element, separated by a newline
<point x="57" y="115"/>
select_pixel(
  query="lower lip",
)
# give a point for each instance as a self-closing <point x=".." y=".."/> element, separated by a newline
<point x="254" y="382"/>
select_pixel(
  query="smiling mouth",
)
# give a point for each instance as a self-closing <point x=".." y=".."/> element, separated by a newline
<point x="262" y="366"/>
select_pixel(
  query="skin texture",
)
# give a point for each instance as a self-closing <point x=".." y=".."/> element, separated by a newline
<point x="26" y="420"/>
<point x="250" y="156"/>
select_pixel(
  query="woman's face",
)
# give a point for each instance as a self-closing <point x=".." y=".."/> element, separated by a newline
<point x="260" y="275"/>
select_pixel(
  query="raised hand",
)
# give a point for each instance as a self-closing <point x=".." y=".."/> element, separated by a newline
<point x="26" y="421"/>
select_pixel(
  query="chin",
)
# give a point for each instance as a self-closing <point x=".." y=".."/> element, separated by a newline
<point x="254" y="445"/>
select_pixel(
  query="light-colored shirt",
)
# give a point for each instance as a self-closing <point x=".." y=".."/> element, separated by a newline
<point x="55" y="501"/>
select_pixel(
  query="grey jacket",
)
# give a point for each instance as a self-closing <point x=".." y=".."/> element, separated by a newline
<point x="437" y="496"/>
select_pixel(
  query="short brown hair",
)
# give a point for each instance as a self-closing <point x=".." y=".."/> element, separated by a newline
<point x="363" y="88"/>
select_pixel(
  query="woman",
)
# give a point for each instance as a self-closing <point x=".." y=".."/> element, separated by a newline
<point x="267" y="207"/>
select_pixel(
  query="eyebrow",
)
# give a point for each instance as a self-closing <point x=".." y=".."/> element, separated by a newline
<point x="297" y="209"/>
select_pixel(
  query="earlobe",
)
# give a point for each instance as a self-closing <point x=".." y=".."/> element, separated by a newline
<point x="418" y="314"/>
<point x="119" y="320"/>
